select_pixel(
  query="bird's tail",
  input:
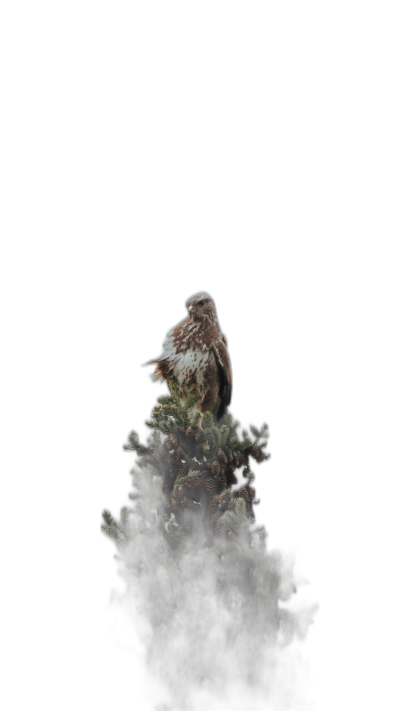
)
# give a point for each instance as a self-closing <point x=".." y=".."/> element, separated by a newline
<point x="149" y="362"/>
<point x="158" y="373"/>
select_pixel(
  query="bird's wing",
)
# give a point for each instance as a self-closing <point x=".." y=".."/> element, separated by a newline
<point x="164" y="368"/>
<point x="173" y="340"/>
<point x="224" y="369"/>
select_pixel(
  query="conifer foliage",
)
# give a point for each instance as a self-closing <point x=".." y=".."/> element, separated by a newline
<point x="193" y="558"/>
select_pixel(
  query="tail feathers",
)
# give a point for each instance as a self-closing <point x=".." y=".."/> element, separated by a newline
<point x="159" y="372"/>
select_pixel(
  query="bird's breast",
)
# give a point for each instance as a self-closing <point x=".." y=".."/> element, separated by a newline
<point x="190" y="366"/>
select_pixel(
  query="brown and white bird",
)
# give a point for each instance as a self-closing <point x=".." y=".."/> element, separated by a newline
<point x="195" y="356"/>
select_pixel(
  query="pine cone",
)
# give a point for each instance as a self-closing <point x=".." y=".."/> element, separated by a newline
<point x="242" y="493"/>
<point x="215" y="468"/>
<point x="222" y="457"/>
<point x="191" y="505"/>
<point x="173" y="440"/>
<point x="249" y="510"/>
<point x="197" y="486"/>
<point x="174" y="505"/>
<point x="261" y="458"/>
<point x="241" y="459"/>
<point x="160" y="453"/>
<point x="232" y="536"/>
<point x="218" y="527"/>
<point x="222" y="480"/>
<point x="231" y="479"/>
<point x="199" y="435"/>
<point x="252" y="493"/>
<point x="189" y="433"/>
<point x="236" y="460"/>
<point x="212" y="505"/>
<point x="209" y="486"/>
<point x="164" y="468"/>
<point x="254" y="451"/>
<point x="181" y="454"/>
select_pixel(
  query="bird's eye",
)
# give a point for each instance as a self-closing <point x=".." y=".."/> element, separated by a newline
<point x="202" y="302"/>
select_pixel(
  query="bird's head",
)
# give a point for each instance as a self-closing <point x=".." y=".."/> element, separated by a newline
<point x="201" y="307"/>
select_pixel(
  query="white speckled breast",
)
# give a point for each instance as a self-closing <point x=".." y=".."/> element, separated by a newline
<point x="189" y="362"/>
<point x="189" y="369"/>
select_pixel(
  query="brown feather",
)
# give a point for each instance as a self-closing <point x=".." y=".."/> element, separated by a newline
<point x="196" y="357"/>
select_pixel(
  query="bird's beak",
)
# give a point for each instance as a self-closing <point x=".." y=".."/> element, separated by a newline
<point x="190" y="308"/>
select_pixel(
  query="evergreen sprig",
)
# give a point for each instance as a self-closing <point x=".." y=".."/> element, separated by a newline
<point x="198" y="565"/>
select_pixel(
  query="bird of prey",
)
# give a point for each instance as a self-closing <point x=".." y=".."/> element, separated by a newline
<point x="195" y="357"/>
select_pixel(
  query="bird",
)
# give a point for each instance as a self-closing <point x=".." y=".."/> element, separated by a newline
<point x="195" y="357"/>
